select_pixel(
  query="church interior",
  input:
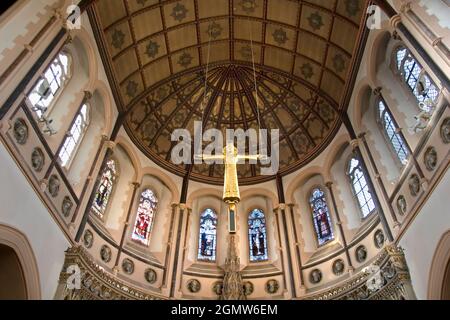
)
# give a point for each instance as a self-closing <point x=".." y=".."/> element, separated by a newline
<point x="354" y="98"/>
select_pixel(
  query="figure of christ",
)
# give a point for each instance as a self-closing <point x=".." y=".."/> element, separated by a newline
<point x="231" y="185"/>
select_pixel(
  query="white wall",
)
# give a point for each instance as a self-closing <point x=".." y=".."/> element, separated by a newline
<point x="23" y="210"/>
<point x="423" y="235"/>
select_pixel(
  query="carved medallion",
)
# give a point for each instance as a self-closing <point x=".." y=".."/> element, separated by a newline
<point x="217" y="288"/>
<point x="88" y="239"/>
<point x="430" y="158"/>
<point x="150" y="275"/>
<point x="378" y="239"/>
<point x="401" y="205"/>
<point x="53" y="186"/>
<point x="248" y="288"/>
<point x="361" y="254"/>
<point x="414" y="185"/>
<point x="272" y="286"/>
<point x="105" y="253"/>
<point x="66" y="206"/>
<point x="315" y="276"/>
<point x="338" y="267"/>
<point x="445" y="130"/>
<point x="37" y="159"/>
<point x="127" y="266"/>
<point x="20" y="130"/>
<point x="193" y="285"/>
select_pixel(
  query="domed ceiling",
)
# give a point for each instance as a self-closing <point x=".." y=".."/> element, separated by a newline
<point x="156" y="52"/>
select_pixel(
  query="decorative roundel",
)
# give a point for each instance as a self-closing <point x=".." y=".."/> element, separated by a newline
<point x="66" y="206"/>
<point x="20" y="131"/>
<point x="315" y="276"/>
<point x="53" y="186"/>
<point x="88" y="239"/>
<point x="445" y="130"/>
<point x="248" y="288"/>
<point x="217" y="287"/>
<point x="272" y="286"/>
<point x="193" y="285"/>
<point x="361" y="254"/>
<point x="127" y="266"/>
<point x="37" y="159"/>
<point x="401" y="205"/>
<point x="378" y="239"/>
<point x="338" y="267"/>
<point x="430" y="158"/>
<point x="414" y="185"/>
<point x="105" y="253"/>
<point x="150" y="275"/>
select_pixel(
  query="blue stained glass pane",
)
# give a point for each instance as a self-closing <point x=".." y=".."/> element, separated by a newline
<point x="257" y="237"/>
<point x="321" y="217"/>
<point x="207" y="236"/>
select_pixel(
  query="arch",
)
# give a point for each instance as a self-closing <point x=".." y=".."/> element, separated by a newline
<point x="203" y="192"/>
<point x="18" y="242"/>
<point x="339" y="144"/>
<point x="306" y="174"/>
<point x="164" y="179"/>
<point x="101" y="89"/>
<point x="92" y="62"/>
<point x="378" y="55"/>
<point x="439" y="268"/>
<point x="130" y="152"/>
<point x="259" y="192"/>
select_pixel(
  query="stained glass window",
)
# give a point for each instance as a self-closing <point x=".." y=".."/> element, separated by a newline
<point x="360" y="187"/>
<point x="144" y="217"/>
<point x="417" y="80"/>
<point x="74" y="137"/>
<point x="207" y="236"/>
<point x="257" y="237"/>
<point x="51" y="81"/>
<point x="105" y="188"/>
<point x="321" y="216"/>
<point x="391" y="133"/>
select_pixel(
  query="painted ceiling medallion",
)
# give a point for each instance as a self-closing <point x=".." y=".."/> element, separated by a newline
<point x="132" y="89"/>
<point x="338" y="63"/>
<point x="315" y="21"/>
<point x="248" y="288"/>
<point x="127" y="266"/>
<point x="150" y="275"/>
<point x="214" y="30"/>
<point x="307" y="70"/>
<point x="53" y="186"/>
<point x="152" y="49"/>
<point x="414" y="184"/>
<point x="445" y="130"/>
<point x="66" y="206"/>
<point x="37" y="159"/>
<point x="352" y="7"/>
<point x="378" y="239"/>
<point x="338" y="267"/>
<point x="248" y="6"/>
<point x="315" y="276"/>
<point x="118" y="39"/>
<point x="272" y="286"/>
<point x="105" y="253"/>
<point x="193" y="285"/>
<point x="246" y="52"/>
<point x="280" y="37"/>
<point x="20" y="130"/>
<point x="179" y="12"/>
<point x="88" y="239"/>
<point x="361" y="254"/>
<point x="185" y="60"/>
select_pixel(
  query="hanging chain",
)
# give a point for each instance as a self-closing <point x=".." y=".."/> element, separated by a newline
<point x="254" y="75"/>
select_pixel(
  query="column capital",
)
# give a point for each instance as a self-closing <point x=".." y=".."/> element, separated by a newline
<point x="405" y="6"/>
<point x="136" y="184"/>
<point x="110" y="144"/>
<point x="377" y="91"/>
<point x="329" y="184"/>
<point x="354" y="143"/>
<point x="395" y="21"/>
<point x="362" y="135"/>
<point x="87" y="95"/>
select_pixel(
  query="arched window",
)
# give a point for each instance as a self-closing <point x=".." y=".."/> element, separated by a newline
<point x="321" y="216"/>
<point x="257" y="237"/>
<point x="360" y="187"/>
<point x="144" y="217"/>
<point x="207" y="236"/>
<point x="74" y="136"/>
<point x="391" y="133"/>
<point x="50" y="83"/>
<point x="105" y="188"/>
<point x="416" y="78"/>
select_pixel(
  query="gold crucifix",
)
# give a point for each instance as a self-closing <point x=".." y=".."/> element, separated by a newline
<point x="231" y="193"/>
